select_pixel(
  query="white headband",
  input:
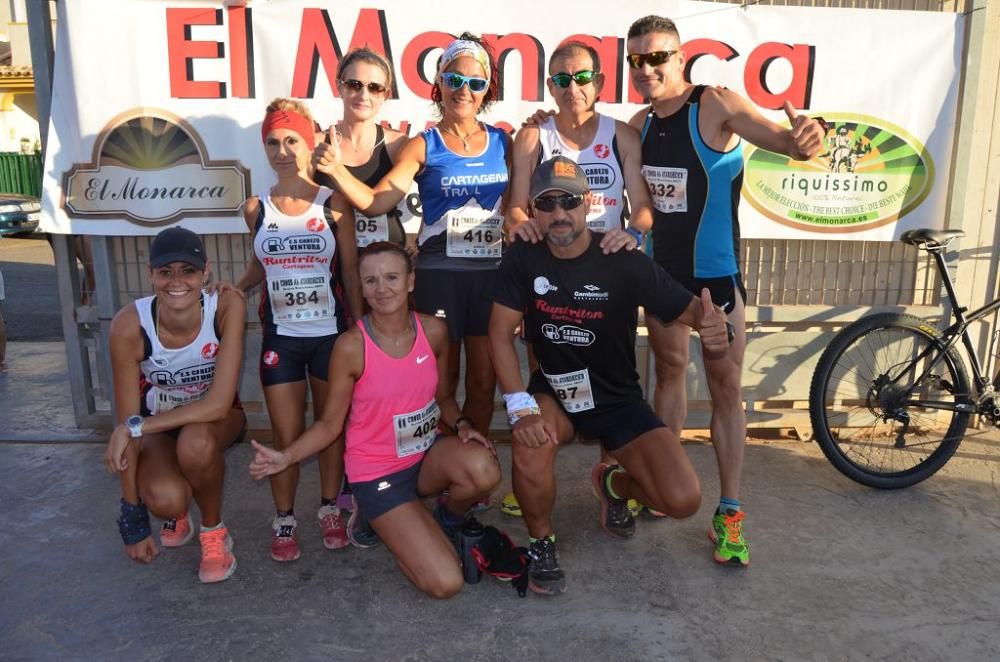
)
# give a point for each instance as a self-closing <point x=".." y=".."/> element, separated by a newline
<point x="465" y="48"/>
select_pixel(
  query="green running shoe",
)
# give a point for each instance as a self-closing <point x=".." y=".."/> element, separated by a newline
<point x="727" y="534"/>
<point x="510" y="506"/>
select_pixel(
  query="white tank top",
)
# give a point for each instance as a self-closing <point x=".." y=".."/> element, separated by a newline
<point x="600" y="161"/>
<point x="297" y="253"/>
<point x="178" y="376"/>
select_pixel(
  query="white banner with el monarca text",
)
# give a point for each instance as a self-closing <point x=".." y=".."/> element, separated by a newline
<point x="157" y="105"/>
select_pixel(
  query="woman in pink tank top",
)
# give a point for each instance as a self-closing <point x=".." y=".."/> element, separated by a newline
<point x="389" y="393"/>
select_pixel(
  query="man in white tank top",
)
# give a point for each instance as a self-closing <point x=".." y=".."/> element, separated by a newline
<point x="608" y="150"/>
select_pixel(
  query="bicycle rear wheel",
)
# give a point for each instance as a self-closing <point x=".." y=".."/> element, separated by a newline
<point x="876" y="397"/>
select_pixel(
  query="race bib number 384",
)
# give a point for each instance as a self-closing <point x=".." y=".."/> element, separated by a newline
<point x="416" y="430"/>
<point x="300" y="298"/>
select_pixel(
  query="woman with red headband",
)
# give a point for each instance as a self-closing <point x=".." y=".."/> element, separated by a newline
<point x="461" y="169"/>
<point x="305" y="251"/>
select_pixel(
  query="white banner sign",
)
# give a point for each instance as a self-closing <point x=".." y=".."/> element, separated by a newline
<point x="157" y="105"/>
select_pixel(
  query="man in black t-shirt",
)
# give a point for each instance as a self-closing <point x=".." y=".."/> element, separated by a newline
<point x="579" y="308"/>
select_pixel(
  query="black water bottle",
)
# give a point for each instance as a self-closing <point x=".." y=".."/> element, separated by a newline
<point x="469" y="536"/>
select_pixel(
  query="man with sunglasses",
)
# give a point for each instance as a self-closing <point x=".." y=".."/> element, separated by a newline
<point x="579" y="309"/>
<point x="693" y="164"/>
<point x="607" y="149"/>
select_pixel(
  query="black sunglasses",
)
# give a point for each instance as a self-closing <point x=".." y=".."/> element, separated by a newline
<point x="562" y="79"/>
<point x="355" y="85"/>
<point x="567" y="201"/>
<point x="655" y="58"/>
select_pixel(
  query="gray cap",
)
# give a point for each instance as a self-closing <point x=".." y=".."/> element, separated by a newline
<point x="558" y="174"/>
<point x="176" y="245"/>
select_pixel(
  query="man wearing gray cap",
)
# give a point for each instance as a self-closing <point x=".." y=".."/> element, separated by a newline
<point x="579" y="308"/>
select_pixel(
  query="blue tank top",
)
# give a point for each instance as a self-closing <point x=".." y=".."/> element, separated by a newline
<point x="461" y="197"/>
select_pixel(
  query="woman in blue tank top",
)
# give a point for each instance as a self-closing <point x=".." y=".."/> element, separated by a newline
<point x="461" y="169"/>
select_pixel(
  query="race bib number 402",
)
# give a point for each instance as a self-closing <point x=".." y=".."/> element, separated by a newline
<point x="667" y="188"/>
<point x="300" y="298"/>
<point x="472" y="234"/>
<point x="573" y="390"/>
<point x="415" y="431"/>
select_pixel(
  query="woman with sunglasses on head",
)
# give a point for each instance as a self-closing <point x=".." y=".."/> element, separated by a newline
<point x="364" y="82"/>
<point x="305" y="252"/>
<point x="388" y="392"/>
<point x="175" y="359"/>
<point x="461" y="169"/>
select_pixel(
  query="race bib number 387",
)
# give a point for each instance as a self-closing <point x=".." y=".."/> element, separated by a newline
<point x="667" y="188"/>
<point x="300" y="298"/>
<point x="416" y="430"/>
<point x="573" y="390"/>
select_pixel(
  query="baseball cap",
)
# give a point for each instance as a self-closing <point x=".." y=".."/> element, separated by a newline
<point x="558" y="174"/>
<point x="177" y="245"/>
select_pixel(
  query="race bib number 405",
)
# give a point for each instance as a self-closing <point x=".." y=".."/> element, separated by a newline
<point x="300" y="298"/>
<point x="573" y="390"/>
<point x="369" y="230"/>
<point x="416" y="430"/>
<point x="667" y="188"/>
<point x="474" y="233"/>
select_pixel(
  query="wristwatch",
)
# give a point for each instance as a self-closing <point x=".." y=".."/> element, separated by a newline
<point x="134" y="425"/>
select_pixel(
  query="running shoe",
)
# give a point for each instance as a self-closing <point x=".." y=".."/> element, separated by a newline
<point x="652" y="514"/>
<point x="453" y="531"/>
<point x="345" y="500"/>
<point x="545" y="577"/>
<point x="176" y="532"/>
<point x="217" y="560"/>
<point x="285" y="539"/>
<point x="510" y="506"/>
<point x="616" y="518"/>
<point x="480" y="506"/>
<point x="634" y="508"/>
<point x="360" y="532"/>
<point x="331" y="521"/>
<point x="727" y="534"/>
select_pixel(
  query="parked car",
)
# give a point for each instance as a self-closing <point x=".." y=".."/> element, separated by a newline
<point x="19" y="214"/>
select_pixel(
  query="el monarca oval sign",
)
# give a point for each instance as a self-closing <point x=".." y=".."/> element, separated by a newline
<point x="869" y="173"/>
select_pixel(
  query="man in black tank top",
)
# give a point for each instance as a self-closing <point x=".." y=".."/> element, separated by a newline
<point x="690" y="138"/>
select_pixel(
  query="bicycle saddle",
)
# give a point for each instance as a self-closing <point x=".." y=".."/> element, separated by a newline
<point x="927" y="238"/>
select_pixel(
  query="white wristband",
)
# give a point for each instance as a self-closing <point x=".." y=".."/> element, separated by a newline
<point x="519" y="405"/>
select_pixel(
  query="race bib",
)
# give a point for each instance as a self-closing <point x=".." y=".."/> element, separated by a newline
<point x="369" y="230"/>
<point x="573" y="390"/>
<point x="474" y="233"/>
<point x="667" y="188"/>
<point x="163" y="401"/>
<point x="415" y="432"/>
<point x="300" y="298"/>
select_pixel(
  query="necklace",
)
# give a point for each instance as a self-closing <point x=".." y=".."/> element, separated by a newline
<point x="201" y="310"/>
<point x="465" y="140"/>
<point x="395" y="339"/>
<point x="346" y="138"/>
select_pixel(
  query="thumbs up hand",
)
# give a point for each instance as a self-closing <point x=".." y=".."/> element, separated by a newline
<point x="327" y="155"/>
<point x="715" y="330"/>
<point x="806" y="134"/>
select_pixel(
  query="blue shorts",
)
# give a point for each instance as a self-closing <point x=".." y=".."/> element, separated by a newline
<point x="284" y="359"/>
<point x="463" y="298"/>
<point x="378" y="496"/>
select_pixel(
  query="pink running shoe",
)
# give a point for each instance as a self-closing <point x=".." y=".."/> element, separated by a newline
<point x="284" y="539"/>
<point x="176" y="532"/>
<point x="331" y="521"/>
<point x="217" y="560"/>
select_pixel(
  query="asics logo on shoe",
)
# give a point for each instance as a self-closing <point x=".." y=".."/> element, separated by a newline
<point x="286" y="531"/>
<point x="421" y="359"/>
<point x="384" y="485"/>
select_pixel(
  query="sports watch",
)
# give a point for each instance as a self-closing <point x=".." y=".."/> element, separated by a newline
<point x="134" y="425"/>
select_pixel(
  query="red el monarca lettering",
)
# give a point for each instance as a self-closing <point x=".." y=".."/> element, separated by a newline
<point x="182" y="51"/>
<point x="318" y="45"/>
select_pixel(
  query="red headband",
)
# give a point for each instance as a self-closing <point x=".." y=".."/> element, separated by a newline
<point x="289" y="119"/>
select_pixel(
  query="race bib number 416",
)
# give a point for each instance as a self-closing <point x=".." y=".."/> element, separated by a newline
<point x="474" y="235"/>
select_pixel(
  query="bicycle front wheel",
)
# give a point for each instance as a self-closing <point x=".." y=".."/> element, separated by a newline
<point x="880" y="397"/>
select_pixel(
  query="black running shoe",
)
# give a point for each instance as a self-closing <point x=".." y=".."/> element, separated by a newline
<point x="616" y="519"/>
<point x="452" y="531"/>
<point x="545" y="575"/>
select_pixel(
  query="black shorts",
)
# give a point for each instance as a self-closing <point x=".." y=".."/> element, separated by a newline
<point x="284" y="359"/>
<point x="379" y="496"/>
<point x="614" y="427"/>
<point x="463" y="298"/>
<point x="723" y="289"/>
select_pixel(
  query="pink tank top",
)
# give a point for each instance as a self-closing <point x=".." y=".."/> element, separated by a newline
<point x="394" y="416"/>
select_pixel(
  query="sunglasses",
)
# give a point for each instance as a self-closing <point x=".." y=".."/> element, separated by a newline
<point x="355" y="85"/>
<point x="456" y="81"/>
<point x="655" y="59"/>
<point x="567" y="201"/>
<point x="562" y="79"/>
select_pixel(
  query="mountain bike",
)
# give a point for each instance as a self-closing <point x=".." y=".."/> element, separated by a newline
<point x="891" y="398"/>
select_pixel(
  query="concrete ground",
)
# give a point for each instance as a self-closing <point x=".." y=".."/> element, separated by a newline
<point x="839" y="572"/>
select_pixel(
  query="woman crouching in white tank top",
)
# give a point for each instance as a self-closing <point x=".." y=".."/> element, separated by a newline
<point x="176" y="360"/>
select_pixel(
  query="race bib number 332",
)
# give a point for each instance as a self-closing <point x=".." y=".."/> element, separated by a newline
<point x="667" y="188"/>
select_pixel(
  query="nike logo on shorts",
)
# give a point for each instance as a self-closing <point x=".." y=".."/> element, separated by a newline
<point x="421" y="359"/>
